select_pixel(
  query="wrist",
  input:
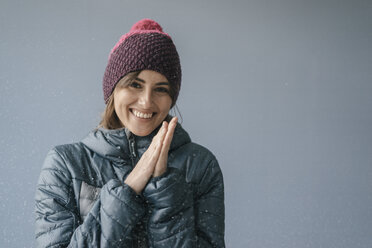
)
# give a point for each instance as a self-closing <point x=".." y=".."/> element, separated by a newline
<point x="135" y="187"/>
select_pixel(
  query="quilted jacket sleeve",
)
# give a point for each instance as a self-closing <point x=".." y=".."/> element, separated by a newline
<point x="210" y="208"/>
<point x="108" y="224"/>
<point x="171" y="222"/>
<point x="178" y="218"/>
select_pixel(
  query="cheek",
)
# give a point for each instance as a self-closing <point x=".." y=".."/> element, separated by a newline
<point x="121" y="99"/>
<point x="120" y="109"/>
<point x="117" y="109"/>
<point x="116" y="102"/>
<point x="166" y="105"/>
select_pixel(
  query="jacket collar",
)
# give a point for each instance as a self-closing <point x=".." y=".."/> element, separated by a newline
<point x="114" y="144"/>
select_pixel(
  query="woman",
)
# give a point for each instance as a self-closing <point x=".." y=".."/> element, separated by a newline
<point x="137" y="180"/>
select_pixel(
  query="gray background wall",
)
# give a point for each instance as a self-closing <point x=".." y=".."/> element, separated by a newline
<point x="280" y="91"/>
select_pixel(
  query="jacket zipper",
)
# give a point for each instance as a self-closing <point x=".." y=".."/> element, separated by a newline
<point x="132" y="149"/>
<point x="133" y="156"/>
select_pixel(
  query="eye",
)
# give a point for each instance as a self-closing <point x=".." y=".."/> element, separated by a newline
<point x="134" y="84"/>
<point x="162" y="90"/>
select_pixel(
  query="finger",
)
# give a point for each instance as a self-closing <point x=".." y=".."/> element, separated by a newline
<point x="169" y="136"/>
<point x="151" y="155"/>
<point x="159" y="137"/>
<point x="157" y="143"/>
<point x="161" y="164"/>
<point x="162" y="133"/>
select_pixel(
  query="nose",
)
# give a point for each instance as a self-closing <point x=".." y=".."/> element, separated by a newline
<point x="145" y="99"/>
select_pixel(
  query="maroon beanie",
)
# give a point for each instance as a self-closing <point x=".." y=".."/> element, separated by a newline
<point x="145" y="46"/>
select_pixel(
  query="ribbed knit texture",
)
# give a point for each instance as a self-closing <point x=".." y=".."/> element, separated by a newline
<point x="145" y="46"/>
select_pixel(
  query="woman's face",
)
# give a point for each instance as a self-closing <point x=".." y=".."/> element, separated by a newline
<point x="144" y="103"/>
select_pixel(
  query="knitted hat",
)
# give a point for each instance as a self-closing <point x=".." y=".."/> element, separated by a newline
<point x="145" y="46"/>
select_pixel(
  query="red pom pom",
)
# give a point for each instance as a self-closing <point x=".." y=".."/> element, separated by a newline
<point x="146" y="24"/>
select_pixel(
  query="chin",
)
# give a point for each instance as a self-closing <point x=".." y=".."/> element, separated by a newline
<point x="143" y="132"/>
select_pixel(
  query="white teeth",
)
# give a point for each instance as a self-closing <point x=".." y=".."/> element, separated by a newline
<point x="142" y="115"/>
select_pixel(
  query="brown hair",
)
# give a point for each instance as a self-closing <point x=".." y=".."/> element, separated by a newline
<point x="110" y="120"/>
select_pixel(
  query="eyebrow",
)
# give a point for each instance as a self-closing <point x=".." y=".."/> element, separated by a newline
<point x="143" y="81"/>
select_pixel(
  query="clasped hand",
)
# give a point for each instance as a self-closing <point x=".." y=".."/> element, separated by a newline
<point x="153" y="162"/>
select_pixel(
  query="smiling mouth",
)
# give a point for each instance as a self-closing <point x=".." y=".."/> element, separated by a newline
<point x="142" y="115"/>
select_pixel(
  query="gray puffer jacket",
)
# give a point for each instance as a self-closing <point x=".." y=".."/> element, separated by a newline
<point x="82" y="200"/>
